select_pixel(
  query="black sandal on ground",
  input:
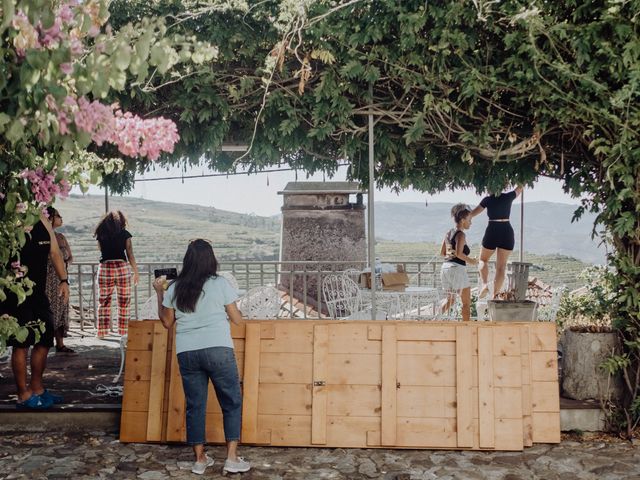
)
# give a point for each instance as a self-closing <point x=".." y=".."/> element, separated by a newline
<point x="64" y="349"/>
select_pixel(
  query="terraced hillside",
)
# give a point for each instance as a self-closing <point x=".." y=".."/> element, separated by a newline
<point x="161" y="231"/>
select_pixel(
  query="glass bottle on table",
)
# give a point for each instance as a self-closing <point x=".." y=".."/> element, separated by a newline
<point x="378" y="273"/>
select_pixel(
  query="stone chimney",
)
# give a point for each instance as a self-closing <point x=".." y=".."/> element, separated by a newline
<point x="321" y="221"/>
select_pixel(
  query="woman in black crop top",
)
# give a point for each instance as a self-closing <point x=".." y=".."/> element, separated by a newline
<point x="453" y="274"/>
<point x="498" y="236"/>
<point x="116" y="254"/>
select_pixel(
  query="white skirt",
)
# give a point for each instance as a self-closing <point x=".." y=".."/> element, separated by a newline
<point x="454" y="276"/>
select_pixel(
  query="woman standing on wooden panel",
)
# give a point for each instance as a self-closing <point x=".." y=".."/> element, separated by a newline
<point x="454" y="276"/>
<point x="199" y="302"/>
<point x="498" y="236"/>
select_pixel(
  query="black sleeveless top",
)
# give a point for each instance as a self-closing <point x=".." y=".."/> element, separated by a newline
<point x="451" y="247"/>
<point x="115" y="248"/>
<point x="499" y="206"/>
<point x="34" y="255"/>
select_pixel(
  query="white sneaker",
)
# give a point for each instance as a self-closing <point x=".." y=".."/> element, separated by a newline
<point x="200" y="467"/>
<point x="238" y="466"/>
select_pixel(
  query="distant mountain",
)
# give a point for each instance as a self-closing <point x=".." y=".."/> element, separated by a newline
<point x="161" y="230"/>
<point x="547" y="227"/>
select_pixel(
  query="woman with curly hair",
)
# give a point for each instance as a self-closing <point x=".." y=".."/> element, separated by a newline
<point x="454" y="276"/>
<point x="116" y="263"/>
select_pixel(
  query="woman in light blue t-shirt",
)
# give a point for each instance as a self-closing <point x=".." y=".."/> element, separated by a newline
<point x="201" y="304"/>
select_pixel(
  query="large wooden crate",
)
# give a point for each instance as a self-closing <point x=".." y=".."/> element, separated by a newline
<point x="361" y="384"/>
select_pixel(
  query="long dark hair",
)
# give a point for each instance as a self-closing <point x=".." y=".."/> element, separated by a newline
<point x="110" y="227"/>
<point x="198" y="266"/>
<point x="52" y="212"/>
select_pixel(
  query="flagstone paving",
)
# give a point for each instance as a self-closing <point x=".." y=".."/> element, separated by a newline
<point x="97" y="455"/>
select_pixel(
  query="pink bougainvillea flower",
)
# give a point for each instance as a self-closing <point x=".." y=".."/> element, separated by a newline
<point x="44" y="186"/>
<point x="66" y="68"/>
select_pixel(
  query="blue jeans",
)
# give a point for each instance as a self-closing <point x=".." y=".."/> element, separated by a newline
<point x="219" y="365"/>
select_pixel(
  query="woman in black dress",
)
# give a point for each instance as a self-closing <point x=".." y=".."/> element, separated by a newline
<point x="498" y="236"/>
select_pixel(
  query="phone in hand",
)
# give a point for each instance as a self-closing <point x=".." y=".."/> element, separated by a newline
<point x="169" y="273"/>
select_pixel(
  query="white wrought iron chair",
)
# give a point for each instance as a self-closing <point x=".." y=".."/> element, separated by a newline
<point x="344" y="299"/>
<point x="353" y="274"/>
<point x="260" y="302"/>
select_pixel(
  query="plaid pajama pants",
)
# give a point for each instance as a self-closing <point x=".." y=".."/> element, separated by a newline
<point x="114" y="274"/>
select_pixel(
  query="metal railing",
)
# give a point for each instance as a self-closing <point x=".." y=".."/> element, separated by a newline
<point x="298" y="281"/>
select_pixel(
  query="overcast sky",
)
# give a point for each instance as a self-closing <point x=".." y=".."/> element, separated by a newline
<point x="257" y="193"/>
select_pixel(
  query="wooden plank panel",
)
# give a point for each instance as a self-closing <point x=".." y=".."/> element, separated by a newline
<point x="427" y="402"/>
<point x="349" y="432"/>
<point x="285" y="367"/>
<point x="358" y="369"/>
<point x="290" y="338"/>
<point x="543" y="337"/>
<point x="250" y="384"/>
<point x="426" y="347"/>
<point x="508" y="402"/>
<point x="353" y="400"/>
<point x="240" y="364"/>
<point x="136" y="396"/>
<point x="285" y="399"/>
<point x="287" y="430"/>
<point x="485" y="387"/>
<point x="506" y="340"/>
<point x="389" y="359"/>
<point x="238" y="345"/>
<point x="417" y="331"/>
<point x="507" y="371"/>
<point x="433" y="370"/>
<point x="527" y="420"/>
<point x="319" y="389"/>
<point x="267" y="330"/>
<point x="238" y="331"/>
<point x="137" y="365"/>
<point x="464" y="384"/>
<point x="427" y="432"/>
<point x="175" y="430"/>
<point x="133" y="427"/>
<point x="214" y="431"/>
<point x="509" y="434"/>
<point x="350" y="338"/>
<point x="157" y="383"/>
<point x="373" y="438"/>
<point x="546" y="427"/>
<point x="140" y="335"/>
<point x="546" y="397"/>
<point x="544" y="366"/>
<point x="374" y="332"/>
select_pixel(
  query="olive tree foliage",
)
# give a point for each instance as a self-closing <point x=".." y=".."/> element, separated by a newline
<point x="464" y="93"/>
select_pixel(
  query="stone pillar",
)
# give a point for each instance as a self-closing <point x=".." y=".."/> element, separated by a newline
<point x="582" y="377"/>
<point x="320" y="223"/>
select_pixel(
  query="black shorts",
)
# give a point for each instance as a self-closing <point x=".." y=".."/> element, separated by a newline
<point x="30" y="312"/>
<point x="499" y="235"/>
